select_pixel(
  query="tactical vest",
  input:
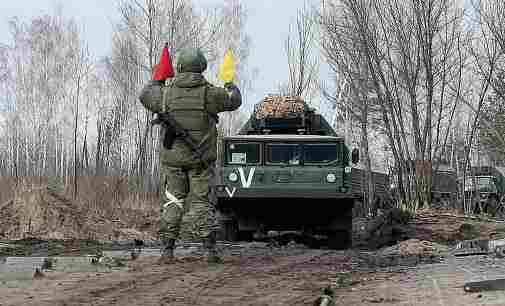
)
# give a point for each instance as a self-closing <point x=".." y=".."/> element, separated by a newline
<point x="188" y="106"/>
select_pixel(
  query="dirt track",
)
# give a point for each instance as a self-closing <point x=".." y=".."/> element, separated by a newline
<point x="255" y="274"/>
<point x="259" y="276"/>
<point x="250" y="279"/>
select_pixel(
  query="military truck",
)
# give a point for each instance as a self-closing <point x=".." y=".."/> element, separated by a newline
<point x="286" y="170"/>
<point x="443" y="182"/>
<point x="383" y="198"/>
<point x="486" y="186"/>
<point x="444" y="187"/>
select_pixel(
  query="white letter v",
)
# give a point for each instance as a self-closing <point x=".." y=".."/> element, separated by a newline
<point x="246" y="184"/>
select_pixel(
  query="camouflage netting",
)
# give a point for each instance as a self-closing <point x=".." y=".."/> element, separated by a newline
<point x="279" y="107"/>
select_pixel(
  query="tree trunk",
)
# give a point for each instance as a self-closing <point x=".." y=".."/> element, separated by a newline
<point x="75" y="134"/>
<point x="369" y="185"/>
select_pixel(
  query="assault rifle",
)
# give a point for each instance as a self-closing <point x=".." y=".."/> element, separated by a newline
<point x="173" y="130"/>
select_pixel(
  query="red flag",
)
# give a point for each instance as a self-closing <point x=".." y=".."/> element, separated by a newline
<point x="164" y="69"/>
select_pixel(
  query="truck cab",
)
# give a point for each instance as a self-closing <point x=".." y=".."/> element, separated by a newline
<point x="266" y="165"/>
<point x="485" y="185"/>
<point x="285" y="173"/>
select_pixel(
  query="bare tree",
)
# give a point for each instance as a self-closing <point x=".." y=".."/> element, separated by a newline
<point x="60" y="118"/>
<point x="487" y="51"/>
<point x="232" y="35"/>
<point x="353" y="98"/>
<point x="302" y="63"/>
<point x="412" y="52"/>
<point x="82" y="67"/>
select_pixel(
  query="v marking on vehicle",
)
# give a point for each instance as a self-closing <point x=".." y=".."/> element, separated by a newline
<point x="230" y="193"/>
<point x="246" y="183"/>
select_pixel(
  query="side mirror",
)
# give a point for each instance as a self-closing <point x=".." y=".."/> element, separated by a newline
<point x="355" y="156"/>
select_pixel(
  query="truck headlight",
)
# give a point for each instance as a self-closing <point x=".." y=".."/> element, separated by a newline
<point x="331" y="178"/>
<point x="233" y="177"/>
<point x="347" y="169"/>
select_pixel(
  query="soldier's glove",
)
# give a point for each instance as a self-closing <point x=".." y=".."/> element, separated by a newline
<point x="232" y="90"/>
<point x="229" y="86"/>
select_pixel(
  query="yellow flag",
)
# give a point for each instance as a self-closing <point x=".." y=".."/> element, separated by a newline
<point x="227" y="69"/>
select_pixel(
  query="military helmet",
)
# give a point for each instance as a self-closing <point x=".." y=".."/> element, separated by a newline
<point x="191" y="60"/>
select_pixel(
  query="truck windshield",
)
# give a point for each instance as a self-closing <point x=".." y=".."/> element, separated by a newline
<point x="320" y="153"/>
<point x="286" y="154"/>
<point x="484" y="183"/>
<point x="243" y="153"/>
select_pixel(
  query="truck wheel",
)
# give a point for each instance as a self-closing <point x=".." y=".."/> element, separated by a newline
<point x="245" y="236"/>
<point x="229" y="230"/>
<point x="500" y="210"/>
<point x="500" y="251"/>
<point x="492" y="206"/>
<point x="341" y="239"/>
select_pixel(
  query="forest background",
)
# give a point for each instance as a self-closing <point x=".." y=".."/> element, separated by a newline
<point x="403" y="81"/>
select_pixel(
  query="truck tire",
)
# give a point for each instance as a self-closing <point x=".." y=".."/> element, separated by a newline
<point x="500" y="251"/>
<point x="246" y="235"/>
<point x="492" y="206"/>
<point x="340" y="240"/>
<point x="229" y="230"/>
<point x="341" y="237"/>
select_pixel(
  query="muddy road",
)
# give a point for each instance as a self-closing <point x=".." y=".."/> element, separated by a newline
<point x="249" y="276"/>
<point x="260" y="273"/>
<point x="255" y="274"/>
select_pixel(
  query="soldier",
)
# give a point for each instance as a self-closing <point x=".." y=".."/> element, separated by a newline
<point x="188" y="206"/>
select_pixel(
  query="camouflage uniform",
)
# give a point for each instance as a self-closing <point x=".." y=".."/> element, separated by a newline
<point x="188" y="202"/>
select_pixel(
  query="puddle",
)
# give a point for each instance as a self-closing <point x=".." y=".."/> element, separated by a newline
<point x="22" y="268"/>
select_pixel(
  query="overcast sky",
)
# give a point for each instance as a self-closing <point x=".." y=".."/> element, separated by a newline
<point x="268" y="25"/>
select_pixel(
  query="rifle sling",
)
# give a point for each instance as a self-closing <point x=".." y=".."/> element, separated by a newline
<point x="183" y="134"/>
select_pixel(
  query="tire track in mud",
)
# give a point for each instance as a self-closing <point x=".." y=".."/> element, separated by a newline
<point x="126" y="288"/>
<point x="236" y="282"/>
<point x="241" y="280"/>
<point x="250" y="281"/>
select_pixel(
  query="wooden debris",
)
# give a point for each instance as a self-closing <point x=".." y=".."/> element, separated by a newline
<point x="471" y="253"/>
<point x="137" y="249"/>
<point x="111" y="262"/>
<point x="381" y="300"/>
<point x="38" y="274"/>
<point x="47" y="264"/>
<point x="138" y="243"/>
<point x="134" y="255"/>
<point x="486" y="285"/>
<point x="481" y="247"/>
<point x="326" y="299"/>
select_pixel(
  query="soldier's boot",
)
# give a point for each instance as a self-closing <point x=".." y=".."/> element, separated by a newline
<point x="211" y="253"/>
<point x="167" y="254"/>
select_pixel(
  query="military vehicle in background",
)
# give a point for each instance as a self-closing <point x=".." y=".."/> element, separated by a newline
<point x="383" y="198"/>
<point x="444" y="187"/>
<point x="443" y="183"/>
<point x="286" y="170"/>
<point x="486" y="186"/>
